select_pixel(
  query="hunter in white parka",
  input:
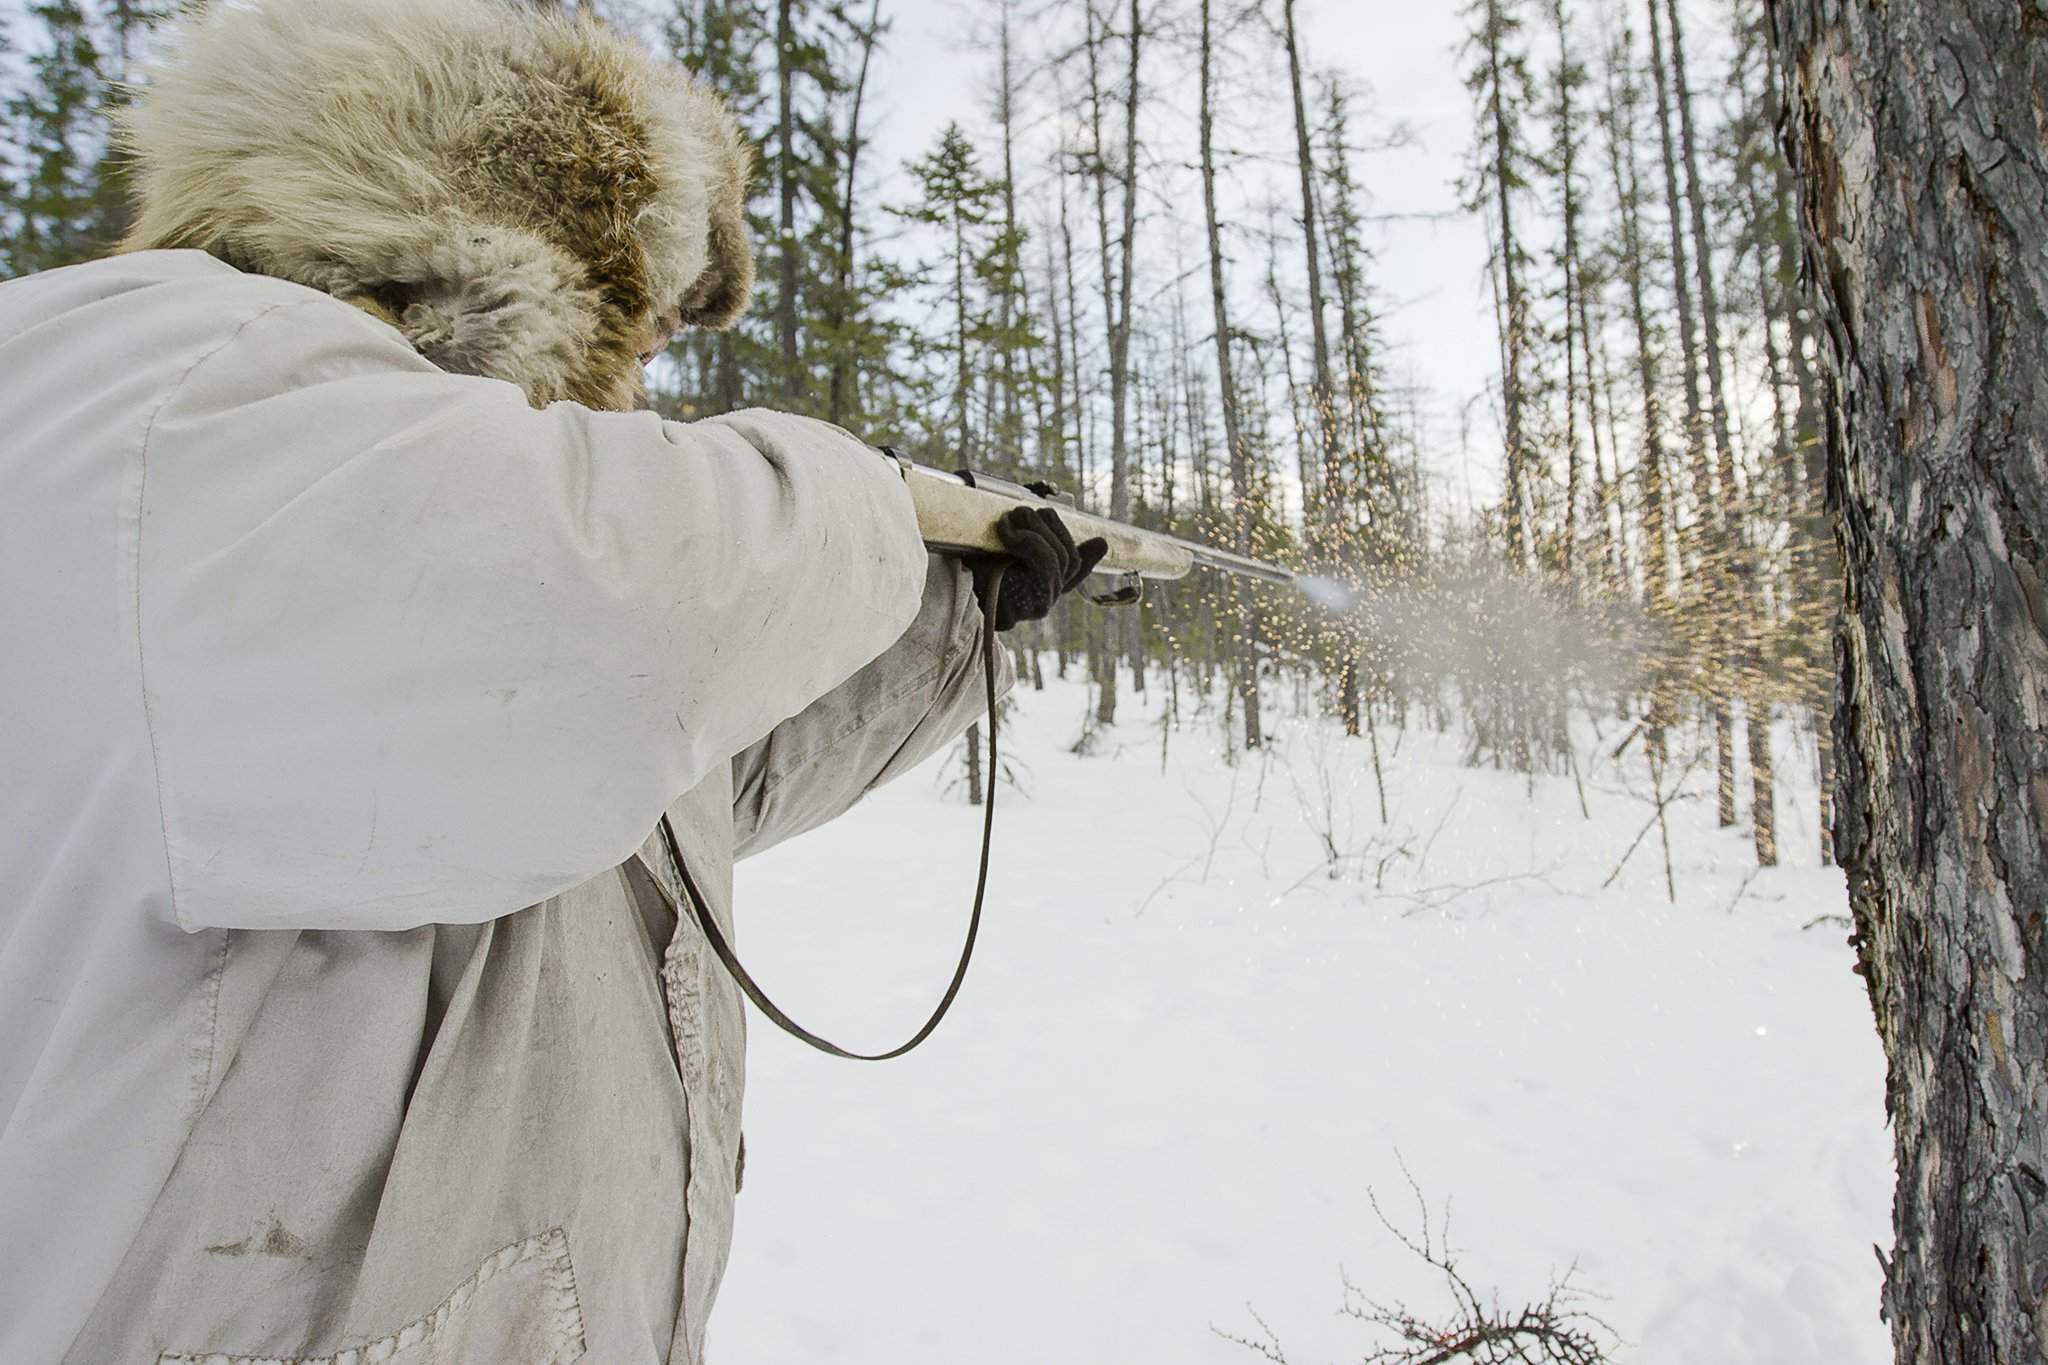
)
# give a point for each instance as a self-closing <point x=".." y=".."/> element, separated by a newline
<point x="357" y="638"/>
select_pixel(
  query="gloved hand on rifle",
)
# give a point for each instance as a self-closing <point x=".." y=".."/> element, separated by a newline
<point x="1044" y="563"/>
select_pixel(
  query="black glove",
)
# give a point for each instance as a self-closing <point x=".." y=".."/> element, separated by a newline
<point x="1044" y="562"/>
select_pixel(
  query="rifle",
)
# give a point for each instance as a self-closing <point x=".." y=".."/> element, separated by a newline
<point x="957" y="514"/>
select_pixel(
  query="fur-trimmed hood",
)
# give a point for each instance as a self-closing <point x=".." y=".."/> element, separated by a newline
<point x="523" y="195"/>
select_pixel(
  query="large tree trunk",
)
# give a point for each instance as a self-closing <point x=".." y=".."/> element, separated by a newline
<point x="1514" y="306"/>
<point x="1916" y="131"/>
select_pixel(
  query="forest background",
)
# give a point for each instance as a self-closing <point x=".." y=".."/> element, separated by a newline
<point x="1488" y="310"/>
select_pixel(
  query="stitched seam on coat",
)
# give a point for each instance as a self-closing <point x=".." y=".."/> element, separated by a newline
<point x="141" y="667"/>
<point x="210" y="1054"/>
<point x="558" y="1276"/>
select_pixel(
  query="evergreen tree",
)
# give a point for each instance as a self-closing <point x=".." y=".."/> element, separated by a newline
<point x="958" y="202"/>
<point x="128" y="26"/>
<point x="10" y="165"/>
<point x="56" y="117"/>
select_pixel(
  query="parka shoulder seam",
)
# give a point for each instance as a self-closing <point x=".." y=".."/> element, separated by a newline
<point x="149" y="719"/>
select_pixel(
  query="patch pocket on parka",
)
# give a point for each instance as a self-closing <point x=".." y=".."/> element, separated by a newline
<point x="519" y="1308"/>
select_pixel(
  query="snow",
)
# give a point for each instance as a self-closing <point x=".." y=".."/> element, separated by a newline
<point x="1185" y="1059"/>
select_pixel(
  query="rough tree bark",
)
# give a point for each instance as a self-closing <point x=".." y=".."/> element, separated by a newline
<point x="1916" y="128"/>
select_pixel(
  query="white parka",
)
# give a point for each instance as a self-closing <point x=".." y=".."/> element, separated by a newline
<point x="320" y="663"/>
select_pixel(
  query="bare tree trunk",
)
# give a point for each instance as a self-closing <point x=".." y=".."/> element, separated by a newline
<point x="1915" y="131"/>
<point x="1120" y="335"/>
<point x="1078" y="400"/>
<point x="1116" y="300"/>
<point x="1681" y="287"/>
<point x="839" y="403"/>
<point x="785" y="248"/>
<point x="1657" y="528"/>
<point x="1724" y="527"/>
<point x="1514" y="316"/>
<point x="1701" y="561"/>
<point x="1245" y="666"/>
<point x="1606" y="481"/>
<point x="1323" y="392"/>
<point x="1009" y="443"/>
<point x="1621" y="157"/>
<point x="1569" y="209"/>
<point x="1763" y="780"/>
<point x="1305" y="462"/>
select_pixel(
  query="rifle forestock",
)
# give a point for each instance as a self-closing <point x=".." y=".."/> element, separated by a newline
<point x="957" y="514"/>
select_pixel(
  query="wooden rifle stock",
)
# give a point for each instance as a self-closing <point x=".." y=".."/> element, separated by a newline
<point x="957" y="514"/>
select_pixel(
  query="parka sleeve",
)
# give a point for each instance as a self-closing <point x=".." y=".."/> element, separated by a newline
<point x="911" y="701"/>
<point x="413" y="652"/>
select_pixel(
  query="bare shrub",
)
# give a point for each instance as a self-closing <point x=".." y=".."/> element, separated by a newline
<point x="1552" y="1329"/>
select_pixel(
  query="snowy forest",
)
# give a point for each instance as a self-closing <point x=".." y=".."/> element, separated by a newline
<point x="1505" y="878"/>
<point x="1050" y="302"/>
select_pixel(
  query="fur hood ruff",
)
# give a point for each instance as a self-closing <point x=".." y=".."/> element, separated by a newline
<point x="522" y="194"/>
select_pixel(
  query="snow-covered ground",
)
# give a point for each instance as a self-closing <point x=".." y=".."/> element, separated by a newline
<point x="1185" y="1057"/>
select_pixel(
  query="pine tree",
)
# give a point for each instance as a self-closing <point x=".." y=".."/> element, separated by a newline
<point x="10" y="168"/>
<point x="959" y="202"/>
<point x="1368" y="493"/>
<point x="128" y="25"/>
<point x="60" y="139"/>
